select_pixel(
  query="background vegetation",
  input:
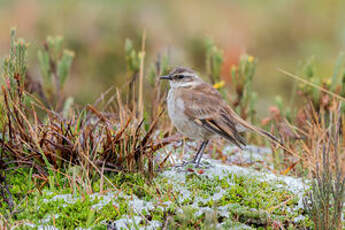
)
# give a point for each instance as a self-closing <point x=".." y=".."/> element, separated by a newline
<point x="279" y="33"/>
<point x="84" y="113"/>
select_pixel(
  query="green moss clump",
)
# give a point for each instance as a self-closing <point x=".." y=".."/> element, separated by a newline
<point x="232" y="200"/>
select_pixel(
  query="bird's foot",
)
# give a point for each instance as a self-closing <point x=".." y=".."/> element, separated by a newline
<point x="190" y="162"/>
<point x="183" y="164"/>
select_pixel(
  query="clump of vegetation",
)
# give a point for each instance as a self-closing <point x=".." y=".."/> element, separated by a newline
<point x="213" y="63"/>
<point x="242" y="80"/>
<point x="50" y="138"/>
<point x="326" y="199"/>
<point x="315" y="131"/>
<point x="316" y="87"/>
<point x="14" y="69"/>
<point x="55" y="63"/>
<point x="133" y="59"/>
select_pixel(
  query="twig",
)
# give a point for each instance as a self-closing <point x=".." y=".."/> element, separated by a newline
<point x="311" y="84"/>
<point x="141" y="76"/>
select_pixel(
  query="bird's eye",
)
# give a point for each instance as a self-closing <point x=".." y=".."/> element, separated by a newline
<point x="179" y="76"/>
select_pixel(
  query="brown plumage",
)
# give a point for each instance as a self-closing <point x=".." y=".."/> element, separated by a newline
<point x="198" y="111"/>
<point x="206" y="107"/>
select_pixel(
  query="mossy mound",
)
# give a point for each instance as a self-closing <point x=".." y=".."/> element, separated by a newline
<point x="215" y="196"/>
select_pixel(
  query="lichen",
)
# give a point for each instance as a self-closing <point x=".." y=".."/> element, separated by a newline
<point x="218" y="195"/>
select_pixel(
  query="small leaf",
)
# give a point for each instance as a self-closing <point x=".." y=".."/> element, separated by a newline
<point x="64" y="66"/>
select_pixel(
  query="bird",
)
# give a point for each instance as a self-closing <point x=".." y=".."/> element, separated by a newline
<point x="199" y="112"/>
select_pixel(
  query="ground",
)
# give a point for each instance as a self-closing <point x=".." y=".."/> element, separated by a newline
<point x="215" y="196"/>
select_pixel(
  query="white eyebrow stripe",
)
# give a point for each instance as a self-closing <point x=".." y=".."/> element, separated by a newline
<point x="187" y="74"/>
<point x="187" y="84"/>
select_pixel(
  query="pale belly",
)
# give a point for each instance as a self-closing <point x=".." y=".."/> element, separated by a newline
<point x="183" y="124"/>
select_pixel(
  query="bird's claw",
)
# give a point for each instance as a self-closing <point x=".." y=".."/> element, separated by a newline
<point x="185" y="163"/>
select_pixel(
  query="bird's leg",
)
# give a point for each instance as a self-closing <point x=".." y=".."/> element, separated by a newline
<point x="200" y="152"/>
<point x="196" y="160"/>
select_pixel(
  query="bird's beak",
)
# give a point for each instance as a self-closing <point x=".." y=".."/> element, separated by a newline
<point x="166" y="77"/>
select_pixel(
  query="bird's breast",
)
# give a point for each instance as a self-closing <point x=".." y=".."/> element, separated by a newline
<point x="176" y="107"/>
<point x="183" y="123"/>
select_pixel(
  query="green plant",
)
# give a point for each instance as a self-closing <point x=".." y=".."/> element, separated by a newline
<point x="334" y="84"/>
<point x="300" y="123"/>
<point x="13" y="75"/>
<point x="14" y="67"/>
<point x="325" y="201"/>
<point x="214" y="61"/>
<point x="159" y="68"/>
<point x="133" y="59"/>
<point x="55" y="63"/>
<point x="242" y="80"/>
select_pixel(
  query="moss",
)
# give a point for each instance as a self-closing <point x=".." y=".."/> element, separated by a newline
<point x="246" y="200"/>
<point x="185" y="219"/>
<point x="229" y="224"/>
<point x="65" y="215"/>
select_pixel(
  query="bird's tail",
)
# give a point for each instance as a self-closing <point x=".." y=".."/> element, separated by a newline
<point x="246" y="125"/>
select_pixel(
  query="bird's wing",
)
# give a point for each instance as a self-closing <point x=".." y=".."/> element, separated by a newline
<point x="209" y="104"/>
<point x="206" y="107"/>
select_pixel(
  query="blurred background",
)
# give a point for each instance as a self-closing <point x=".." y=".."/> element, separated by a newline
<point x="279" y="33"/>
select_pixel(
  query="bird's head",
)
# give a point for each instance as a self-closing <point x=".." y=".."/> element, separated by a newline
<point x="182" y="77"/>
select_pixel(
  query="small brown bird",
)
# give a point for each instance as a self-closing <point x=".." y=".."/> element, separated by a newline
<point x="199" y="112"/>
